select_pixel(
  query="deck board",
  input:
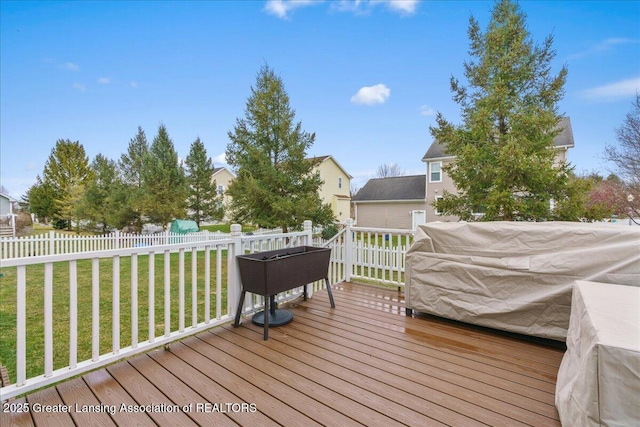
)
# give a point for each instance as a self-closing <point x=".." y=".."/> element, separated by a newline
<point x="362" y="363"/>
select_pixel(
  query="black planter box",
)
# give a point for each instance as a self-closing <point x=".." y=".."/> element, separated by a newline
<point x="271" y="272"/>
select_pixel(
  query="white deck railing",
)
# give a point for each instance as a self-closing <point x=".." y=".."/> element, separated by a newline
<point x="370" y="254"/>
<point x="48" y="285"/>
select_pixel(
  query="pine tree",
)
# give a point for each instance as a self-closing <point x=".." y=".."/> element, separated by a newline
<point x="164" y="186"/>
<point x="131" y="167"/>
<point x="504" y="148"/>
<point x="203" y="201"/>
<point x="40" y="201"/>
<point x="275" y="185"/>
<point x="97" y="203"/>
<point x="66" y="173"/>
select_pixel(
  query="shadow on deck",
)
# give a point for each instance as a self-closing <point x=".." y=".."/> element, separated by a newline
<point x="362" y="363"/>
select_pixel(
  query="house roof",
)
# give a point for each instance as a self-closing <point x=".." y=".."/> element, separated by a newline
<point x="398" y="188"/>
<point x="563" y="140"/>
<point x="220" y="169"/>
<point x="325" y="158"/>
<point x="8" y="197"/>
<point x="322" y="159"/>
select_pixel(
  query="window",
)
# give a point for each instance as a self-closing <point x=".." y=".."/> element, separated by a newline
<point x="339" y="182"/>
<point x="220" y="189"/>
<point x="435" y="174"/>
<point x="438" y="211"/>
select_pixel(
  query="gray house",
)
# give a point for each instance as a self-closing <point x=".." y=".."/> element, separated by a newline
<point x="396" y="202"/>
<point x="6" y="205"/>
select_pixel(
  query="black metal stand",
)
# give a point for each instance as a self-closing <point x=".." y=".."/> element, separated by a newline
<point x="276" y="317"/>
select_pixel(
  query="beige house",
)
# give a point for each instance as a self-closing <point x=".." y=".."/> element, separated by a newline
<point x="335" y="190"/>
<point x="395" y="202"/>
<point x="222" y="178"/>
<point x="336" y="187"/>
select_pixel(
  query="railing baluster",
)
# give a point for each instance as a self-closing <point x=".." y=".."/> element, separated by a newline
<point x="219" y="283"/>
<point x="48" y="319"/>
<point x="207" y="284"/>
<point x="21" y="325"/>
<point x="194" y="287"/>
<point x="95" y="309"/>
<point x="73" y="314"/>
<point x="134" y="300"/>
<point x="181" y="290"/>
<point x="115" y="303"/>
<point x="152" y="303"/>
<point x="167" y="293"/>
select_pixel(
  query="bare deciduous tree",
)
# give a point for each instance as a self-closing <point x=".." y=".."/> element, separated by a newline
<point x="389" y="170"/>
<point x="626" y="154"/>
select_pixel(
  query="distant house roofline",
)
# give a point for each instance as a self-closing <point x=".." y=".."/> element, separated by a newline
<point x="327" y="157"/>
<point x="220" y="169"/>
<point x="563" y="140"/>
<point x="408" y="188"/>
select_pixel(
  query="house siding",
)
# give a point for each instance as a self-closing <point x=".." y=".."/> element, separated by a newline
<point x="387" y="215"/>
<point x="223" y="177"/>
<point x="335" y="189"/>
<point x="6" y="206"/>
<point x="435" y="189"/>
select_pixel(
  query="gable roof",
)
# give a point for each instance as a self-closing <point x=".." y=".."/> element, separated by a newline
<point x="220" y="169"/>
<point x="8" y="197"/>
<point x="411" y="187"/>
<point x="563" y="140"/>
<point x="322" y="159"/>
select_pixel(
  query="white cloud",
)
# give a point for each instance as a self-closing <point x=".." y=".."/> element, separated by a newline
<point x="104" y="80"/>
<point x="371" y="95"/>
<point x="70" y="66"/>
<point x="81" y="87"/>
<point x="404" y="7"/>
<point x="425" y="110"/>
<point x="604" y="46"/>
<point x="133" y="84"/>
<point x="614" y="91"/>
<point x="220" y="159"/>
<point x="363" y="7"/>
<point x="281" y="8"/>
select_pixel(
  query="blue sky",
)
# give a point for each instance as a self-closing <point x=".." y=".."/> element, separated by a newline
<point x="366" y="76"/>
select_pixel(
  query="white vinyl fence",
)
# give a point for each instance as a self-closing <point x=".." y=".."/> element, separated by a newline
<point x="55" y="243"/>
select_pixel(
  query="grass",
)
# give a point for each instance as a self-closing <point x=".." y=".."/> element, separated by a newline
<point x="35" y="306"/>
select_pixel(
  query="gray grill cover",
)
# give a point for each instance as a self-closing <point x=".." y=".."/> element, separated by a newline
<point x="515" y="276"/>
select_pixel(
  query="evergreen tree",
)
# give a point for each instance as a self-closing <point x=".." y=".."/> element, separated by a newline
<point x="66" y="173"/>
<point x="97" y="203"/>
<point x="131" y="167"/>
<point x="40" y="201"/>
<point x="504" y="163"/>
<point x="203" y="201"/>
<point x="275" y="185"/>
<point x="164" y="184"/>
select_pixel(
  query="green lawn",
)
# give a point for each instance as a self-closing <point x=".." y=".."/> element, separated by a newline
<point x="35" y="306"/>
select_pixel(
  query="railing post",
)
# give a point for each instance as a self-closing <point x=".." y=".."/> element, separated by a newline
<point x="308" y="229"/>
<point x="234" y="289"/>
<point x="348" y="250"/>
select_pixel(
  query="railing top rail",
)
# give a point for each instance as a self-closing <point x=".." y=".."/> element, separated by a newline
<point x="384" y="230"/>
<point x="110" y="253"/>
<point x="246" y="237"/>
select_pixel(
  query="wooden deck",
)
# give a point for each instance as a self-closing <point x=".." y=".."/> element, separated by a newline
<point x="362" y="363"/>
